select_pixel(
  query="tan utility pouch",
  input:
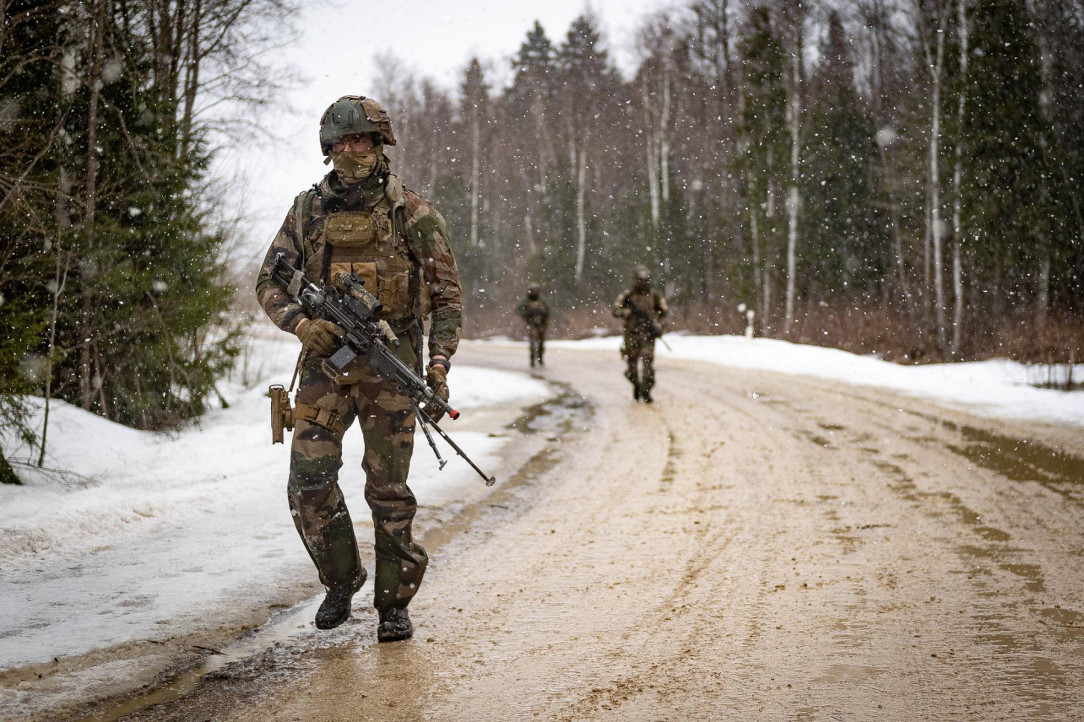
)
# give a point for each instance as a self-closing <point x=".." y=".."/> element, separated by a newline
<point x="391" y="287"/>
<point x="348" y="230"/>
<point x="324" y="413"/>
<point x="365" y="271"/>
<point x="282" y="415"/>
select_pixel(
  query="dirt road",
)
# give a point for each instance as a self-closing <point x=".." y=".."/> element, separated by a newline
<point x="751" y="546"/>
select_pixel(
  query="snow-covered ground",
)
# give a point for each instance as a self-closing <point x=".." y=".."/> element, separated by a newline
<point x="134" y="535"/>
<point x="144" y="535"/>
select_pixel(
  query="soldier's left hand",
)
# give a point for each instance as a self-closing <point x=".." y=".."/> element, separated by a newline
<point x="437" y="379"/>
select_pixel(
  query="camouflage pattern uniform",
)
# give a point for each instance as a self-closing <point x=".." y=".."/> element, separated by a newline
<point x="397" y="243"/>
<point x="536" y="313"/>
<point x="642" y="307"/>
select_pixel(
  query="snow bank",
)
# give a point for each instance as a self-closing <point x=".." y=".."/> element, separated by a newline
<point x="144" y="534"/>
<point x="991" y="388"/>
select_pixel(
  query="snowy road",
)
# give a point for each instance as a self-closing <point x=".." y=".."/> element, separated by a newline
<point x="752" y="546"/>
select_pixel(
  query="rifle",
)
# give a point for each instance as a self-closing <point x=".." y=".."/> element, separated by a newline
<point x="352" y="307"/>
<point x="645" y="316"/>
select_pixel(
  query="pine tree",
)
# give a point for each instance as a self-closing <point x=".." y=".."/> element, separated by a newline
<point x="1005" y="164"/>
<point x="31" y="209"/>
<point x="112" y="263"/>
<point x="842" y="251"/>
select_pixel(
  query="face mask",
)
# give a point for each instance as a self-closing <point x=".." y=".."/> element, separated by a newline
<point x="353" y="166"/>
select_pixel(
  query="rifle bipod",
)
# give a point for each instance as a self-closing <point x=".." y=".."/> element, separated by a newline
<point x="426" y="421"/>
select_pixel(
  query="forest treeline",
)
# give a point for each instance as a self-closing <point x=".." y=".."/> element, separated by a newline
<point x="113" y="243"/>
<point x="892" y="176"/>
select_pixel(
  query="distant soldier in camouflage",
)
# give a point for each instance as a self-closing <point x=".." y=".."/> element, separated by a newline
<point x="643" y="308"/>
<point x="536" y="313"/>
<point x="360" y="218"/>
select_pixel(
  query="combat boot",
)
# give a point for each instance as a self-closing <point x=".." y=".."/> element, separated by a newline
<point x="636" y="392"/>
<point x="645" y="396"/>
<point x="335" y="608"/>
<point x="394" y="625"/>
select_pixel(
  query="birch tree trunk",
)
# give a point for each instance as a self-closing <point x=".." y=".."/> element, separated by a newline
<point x="664" y="134"/>
<point x="95" y="42"/>
<point x="475" y="176"/>
<point x="69" y="83"/>
<point x="651" y="151"/>
<point x="794" y="113"/>
<point x="581" y="223"/>
<point x="935" y="62"/>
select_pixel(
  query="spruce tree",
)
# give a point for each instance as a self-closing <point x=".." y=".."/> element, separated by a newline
<point x="1004" y="164"/>
<point x="843" y="255"/>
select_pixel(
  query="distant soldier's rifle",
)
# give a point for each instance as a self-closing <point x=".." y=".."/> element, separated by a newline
<point x="647" y="317"/>
<point x="352" y="307"/>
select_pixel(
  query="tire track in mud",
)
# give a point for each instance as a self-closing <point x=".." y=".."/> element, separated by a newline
<point x="689" y="618"/>
<point x="987" y="553"/>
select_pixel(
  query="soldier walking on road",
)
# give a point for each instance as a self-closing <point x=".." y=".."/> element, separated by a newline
<point x="642" y="307"/>
<point x="361" y="219"/>
<point x="536" y="313"/>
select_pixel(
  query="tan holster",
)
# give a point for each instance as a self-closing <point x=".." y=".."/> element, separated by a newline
<point x="282" y="416"/>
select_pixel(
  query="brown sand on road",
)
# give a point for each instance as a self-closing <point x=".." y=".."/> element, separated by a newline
<point x="751" y="546"/>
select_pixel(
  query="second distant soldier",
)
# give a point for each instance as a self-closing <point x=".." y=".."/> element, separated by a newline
<point x="643" y="308"/>
<point x="536" y="313"/>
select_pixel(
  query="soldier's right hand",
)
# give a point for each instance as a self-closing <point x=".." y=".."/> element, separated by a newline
<point x="319" y="335"/>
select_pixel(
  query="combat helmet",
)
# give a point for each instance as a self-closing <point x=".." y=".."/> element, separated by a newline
<point x="641" y="273"/>
<point x="354" y="114"/>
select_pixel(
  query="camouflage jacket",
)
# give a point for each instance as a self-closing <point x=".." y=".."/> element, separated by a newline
<point x="535" y="312"/>
<point x="414" y="220"/>
<point x="641" y="310"/>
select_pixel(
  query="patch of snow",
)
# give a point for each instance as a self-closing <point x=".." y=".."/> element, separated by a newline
<point x="997" y="388"/>
<point x="145" y="534"/>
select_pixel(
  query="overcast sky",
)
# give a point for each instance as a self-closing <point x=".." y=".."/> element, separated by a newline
<point x="335" y="55"/>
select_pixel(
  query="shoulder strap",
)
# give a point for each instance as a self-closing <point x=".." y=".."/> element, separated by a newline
<point x="302" y="212"/>
<point x="396" y="195"/>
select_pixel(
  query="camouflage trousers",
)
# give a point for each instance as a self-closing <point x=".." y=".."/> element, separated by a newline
<point x="536" y="342"/>
<point x="316" y="501"/>
<point x="639" y="353"/>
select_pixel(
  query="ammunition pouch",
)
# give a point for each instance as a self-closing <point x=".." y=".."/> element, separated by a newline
<point x="282" y="415"/>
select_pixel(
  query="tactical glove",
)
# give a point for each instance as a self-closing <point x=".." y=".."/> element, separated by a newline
<point x="437" y="378"/>
<point x="319" y="335"/>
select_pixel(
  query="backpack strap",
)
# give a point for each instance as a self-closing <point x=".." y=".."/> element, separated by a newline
<point x="302" y="213"/>
<point x="396" y="195"/>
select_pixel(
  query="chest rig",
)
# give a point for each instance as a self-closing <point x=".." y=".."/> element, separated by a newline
<point x="367" y="244"/>
<point x="643" y="301"/>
